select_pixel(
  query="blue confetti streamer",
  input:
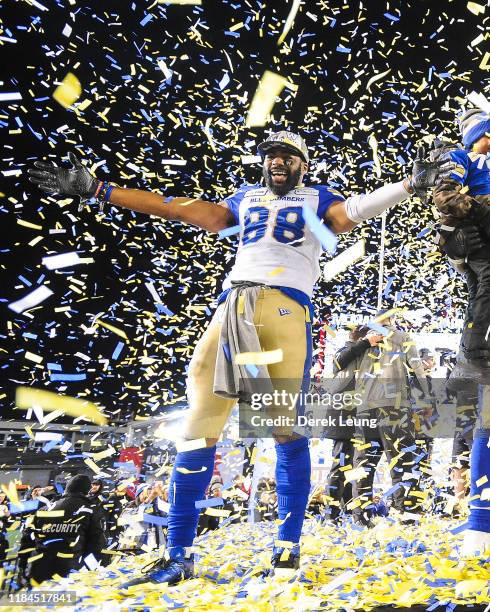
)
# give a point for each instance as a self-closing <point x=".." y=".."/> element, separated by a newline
<point x="326" y="237"/>
<point x="229" y="231"/>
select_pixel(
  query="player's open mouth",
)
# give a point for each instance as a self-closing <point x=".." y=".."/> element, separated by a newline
<point x="280" y="175"/>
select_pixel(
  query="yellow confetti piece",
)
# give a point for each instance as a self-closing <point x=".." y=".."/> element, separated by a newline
<point x="65" y="555"/>
<point x="174" y="119"/>
<point x="269" y="88"/>
<point x="15" y="525"/>
<point x="81" y="106"/>
<point x="422" y="86"/>
<point x="241" y="304"/>
<point x="288" y="24"/>
<point x="33" y="357"/>
<point x="103" y="454"/>
<point x="481" y="481"/>
<point x="28" y="224"/>
<point x="92" y="465"/>
<point x="376" y="77"/>
<point x="364" y="446"/>
<point x="11" y="491"/>
<point x="50" y="513"/>
<point x="354" y="87"/>
<point x="465" y="588"/>
<point x="262" y="358"/>
<point x="27" y="397"/>
<point x="236" y="27"/>
<point x="475" y="8"/>
<point x="116" y="330"/>
<point x="391" y="313"/>
<point x="276" y="271"/>
<point x="484" y="64"/>
<point x="356" y="474"/>
<point x="68" y="91"/>
<point x="217" y="512"/>
<point x="184" y="470"/>
<point x="355" y="503"/>
<point x="280" y="522"/>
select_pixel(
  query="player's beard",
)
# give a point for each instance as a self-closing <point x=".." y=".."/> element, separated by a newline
<point x="291" y="181"/>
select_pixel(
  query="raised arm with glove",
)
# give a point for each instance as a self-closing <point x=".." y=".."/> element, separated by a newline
<point x="341" y="216"/>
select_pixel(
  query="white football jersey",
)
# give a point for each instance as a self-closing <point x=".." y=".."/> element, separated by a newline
<point x="276" y="246"/>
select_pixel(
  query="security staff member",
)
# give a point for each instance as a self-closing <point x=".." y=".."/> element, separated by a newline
<point x="60" y="538"/>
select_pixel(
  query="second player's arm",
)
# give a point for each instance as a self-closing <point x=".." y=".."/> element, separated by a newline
<point x="194" y="211"/>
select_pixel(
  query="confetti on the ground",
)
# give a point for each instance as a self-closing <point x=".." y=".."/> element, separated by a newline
<point x="341" y="568"/>
<point x="172" y="84"/>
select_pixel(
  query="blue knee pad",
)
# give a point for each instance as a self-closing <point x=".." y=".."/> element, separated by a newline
<point x="479" y="518"/>
<point x="186" y="488"/>
<point x="293" y="472"/>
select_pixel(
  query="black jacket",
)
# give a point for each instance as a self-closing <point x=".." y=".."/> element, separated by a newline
<point x="65" y="540"/>
<point x="351" y="351"/>
<point x="112" y="508"/>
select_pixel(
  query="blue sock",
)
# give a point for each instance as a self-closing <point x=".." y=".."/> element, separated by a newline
<point x="185" y="490"/>
<point x="479" y="518"/>
<point x="293" y="471"/>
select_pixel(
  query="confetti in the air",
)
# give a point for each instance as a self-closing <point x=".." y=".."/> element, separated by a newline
<point x="68" y="91"/>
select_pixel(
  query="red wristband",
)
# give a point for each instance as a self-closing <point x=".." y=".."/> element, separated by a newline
<point x="99" y="187"/>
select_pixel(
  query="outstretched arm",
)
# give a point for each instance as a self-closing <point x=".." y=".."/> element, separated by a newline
<point x="343" y="216"/>
<point x="78" y="181"/>
<point x="206" y="215"/>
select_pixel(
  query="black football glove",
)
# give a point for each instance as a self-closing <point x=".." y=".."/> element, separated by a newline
<point x="439" y="151"/>
<point x="461" y="242"/>
<point x="76" y="181"/>
<point x="440" y="148"/>
<point x="426" y="174"/>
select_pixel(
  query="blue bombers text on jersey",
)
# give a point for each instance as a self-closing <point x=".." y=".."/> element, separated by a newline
<point x="276" y="246"/>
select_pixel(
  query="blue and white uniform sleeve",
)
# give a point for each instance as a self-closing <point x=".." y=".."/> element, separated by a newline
<point x="462" y="161"/>
<point x="234" y="200"/>
<point x="327" y="197"/>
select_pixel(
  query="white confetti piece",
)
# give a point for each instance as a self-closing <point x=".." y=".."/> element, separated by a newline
<point x="31" y="299"/>
<point x="63" y="260"/>
<point x="342" y="262"/>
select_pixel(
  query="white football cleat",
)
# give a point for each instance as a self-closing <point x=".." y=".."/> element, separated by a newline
<point x="475" y="543"/>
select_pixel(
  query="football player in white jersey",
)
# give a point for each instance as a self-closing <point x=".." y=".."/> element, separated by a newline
<point x="274" y="273"/>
